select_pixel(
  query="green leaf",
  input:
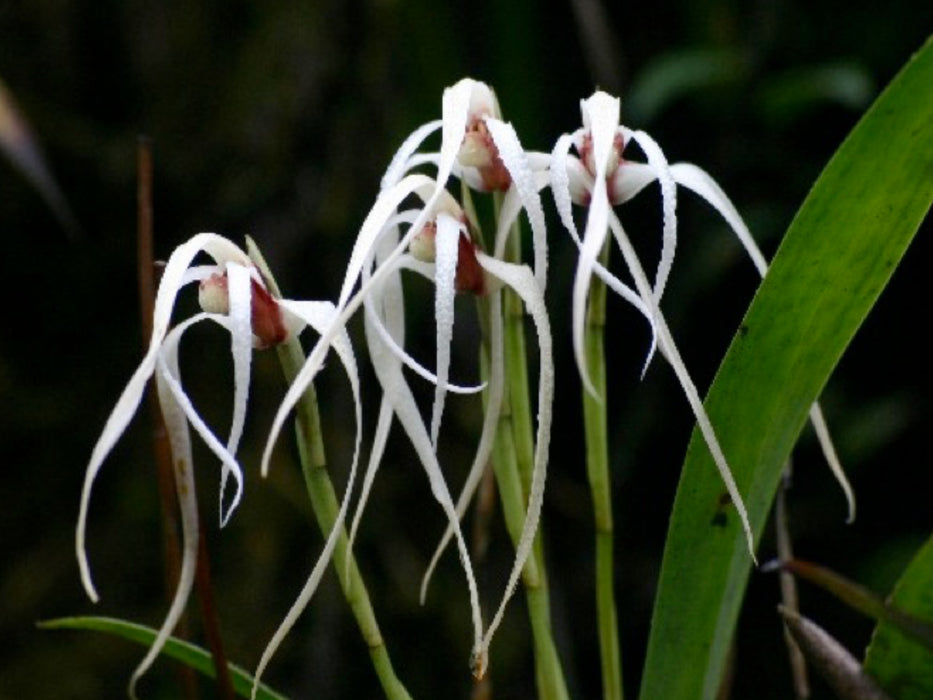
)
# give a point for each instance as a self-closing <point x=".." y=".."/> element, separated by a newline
<point x="197" y="658"/>
<point x="836" y="257"/>
<point x="678" y="74"/>
<point x="901" y="665"/>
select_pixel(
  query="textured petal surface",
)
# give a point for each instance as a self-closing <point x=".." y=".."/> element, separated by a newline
<point x="239" y="284"/>
<point x="658" y="163"/>
<point x="445" y="269"/>
<point x="177" y="427"/>
<point x="522" y="280"/>
<point x="601" y="114"/>
<point x="173" y="277"/>
<point x="398" y="393"/>
<point x="523" y="180"/>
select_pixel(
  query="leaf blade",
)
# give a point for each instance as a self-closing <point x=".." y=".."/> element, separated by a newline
<point x="189" y="654"/>
<point x="837" y="256"/>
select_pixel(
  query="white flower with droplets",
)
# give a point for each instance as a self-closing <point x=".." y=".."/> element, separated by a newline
<point x="232" y="295"/>
<point x="600" y="178"/>
<point x="597" y="178"/>
<point x="434" y="239"/>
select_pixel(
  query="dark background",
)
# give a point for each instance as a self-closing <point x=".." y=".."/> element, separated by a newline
<point x="276" y="119"/>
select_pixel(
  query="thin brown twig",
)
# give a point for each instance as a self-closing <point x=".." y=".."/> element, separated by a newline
<point x="798" y="664"/>
<point x="160" y="445"/>
<point x="211" y="621"/>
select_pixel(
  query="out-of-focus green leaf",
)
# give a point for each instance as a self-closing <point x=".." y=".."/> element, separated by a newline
<point x="193" y="656"/>
<point x="901" y="665"/>
<point x="786" y="97"/>
<point x="677" y="74"/>
<point x="21" y="147"/>
<point x="835" y="259"/>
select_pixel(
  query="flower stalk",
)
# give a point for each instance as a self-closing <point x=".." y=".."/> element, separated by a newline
<point x="325" y="505"/>
<point x="597" y="470"/>
<point x="517" y="405"/>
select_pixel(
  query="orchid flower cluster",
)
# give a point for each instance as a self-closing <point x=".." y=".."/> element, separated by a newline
<point x="418" y="226"/>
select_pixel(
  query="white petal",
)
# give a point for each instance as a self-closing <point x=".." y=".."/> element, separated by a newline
<point x="427" y="271"/>
<point x="697" y="180"/>
<point x="170" y="378"/>
<point x="520" y="278"/>
<point x="447" y="244"/>
<point x="401" y="161"/>
<point x="630" y="179"/>
<point x="173" y="277"/>
<point x="832" y="459"/>
<point x="385" y="206"/>
<point x="560" y="183"/>
<point x="658" y="162"/>
<point x="377" y="450"/>
<point x="514" y="160"/>
<point x="670" y="352"/>
<point x="455" y="107"/>
<point x="369" y="236"/>
<point x="384" y="311"/>
<point x="239" y="290"/>
<point x="199" y="273"/>
<point x="319" y="315"/>
<point x="487" y="435"/>
<point x="177" y="428"/>
<point x="397" y="391"/>
<point x="700" y="182"/>
<point x="601" y="115"/>
<point x="593" y="238"/>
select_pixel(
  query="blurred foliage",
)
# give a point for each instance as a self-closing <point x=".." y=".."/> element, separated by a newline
<point x="276" y="119"/>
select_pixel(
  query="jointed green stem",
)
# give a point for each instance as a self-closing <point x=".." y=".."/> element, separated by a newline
<point x="513" y="495"/>
<point x="513" y="461"/>
<point x="597" y="468"/>
<point x="325" y="505"/>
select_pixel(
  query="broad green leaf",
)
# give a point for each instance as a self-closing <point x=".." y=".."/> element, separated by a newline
<point x="901" y="665"/>
<point x="836" y="257"/>
<point x="185" y="652"/>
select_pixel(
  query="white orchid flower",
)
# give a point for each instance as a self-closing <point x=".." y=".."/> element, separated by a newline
<point x="435" y="240"/>
<point x="602" y="140"/>
<point x="252" y="319"/>
<point x="233" y="295"/>
<point x="600" y="178"/>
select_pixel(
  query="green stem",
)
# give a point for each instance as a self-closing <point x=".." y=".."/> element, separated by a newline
<point x="325" y="505"/>
<point x="597" y="469"/>
<point x="513" y="462"/>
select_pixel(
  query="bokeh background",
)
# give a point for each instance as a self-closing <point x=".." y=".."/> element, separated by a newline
<point x="276" y="119"/>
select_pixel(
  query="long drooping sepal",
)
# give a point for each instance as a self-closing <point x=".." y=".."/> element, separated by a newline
<point x="672" y="355"/>
<point x="493" y="408"/>
<point x="526" y="188"/>
<point x="697" y="180"/>
<point x="658" y="162"/>
<point x="173" y="278"/>
<point x="399" y="394"/>
<point x="239" y="285"/>
<point x="521" y="279"/>
<point x="176" y="424"/>
<point x="601" y="116"/>
<point x="447" y="244"/>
